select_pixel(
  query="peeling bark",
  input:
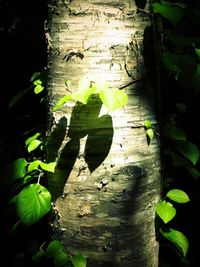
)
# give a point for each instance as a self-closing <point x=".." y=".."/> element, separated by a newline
<point x="107" y="179"/>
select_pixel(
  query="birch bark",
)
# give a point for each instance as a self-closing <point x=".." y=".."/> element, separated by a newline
<point x="107" y="179"/>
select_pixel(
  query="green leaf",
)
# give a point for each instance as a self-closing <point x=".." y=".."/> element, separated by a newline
<point x="170" y="61"/>
<point x="188" y="150"/>
<point x="35" y="76"/>
<point x="113" y="98"/>
<point x="147" y="124"/>
<point x="193" y="171"/>
<point x="34" y="165"/>
<point x="165" y="211"/>
<point x="178" y="239"/>
<point x="37" y="82"/>
<point x="182" y="66"/>
<point x="60" y="259"/>
<point x="33" y="145"/>
<point x="177" y="159"/>
<point x="53" y="248"/>
<point x="180" y="161"/>
<point x="62" y="101"/>
<point x="78" y="260"/>
<point x="180" y="41"/>
<point x="33" y="202"/>
<point x="68" y="83"/>
<point x="150" y="133"/>
<point x="13" y="171"/>
<point x="84" y="93"/>
<point x="197" y="51"/>
<point x="50" y="167"/>
<point x="171" y="12"/>
<point x="178" y="196"/>
<point x="174" y="132"/>
<point x="38" y="89"/>
<point x="30" y="139"/>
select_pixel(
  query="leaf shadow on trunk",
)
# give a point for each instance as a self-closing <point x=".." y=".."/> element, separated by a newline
<point x="84" y="122"/>
<point x="99" y="142"/>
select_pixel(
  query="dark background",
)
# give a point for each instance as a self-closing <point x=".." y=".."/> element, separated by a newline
<point x="22" y="52"/>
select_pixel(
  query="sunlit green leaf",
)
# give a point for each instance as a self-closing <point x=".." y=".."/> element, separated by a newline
<point x="62" y="101"/>
<point x="171" y="12"/>
<point x="178" y="239"/>
<point x="83" y="94"/>
<point x="178" y="196"/>
<point x="13" y="171"/>
<point x="189" y="150"/>
<point x="113" y="99"/>
<point x="34" y="165"/>
<point x="68" y="83"/>
<point x="37" y="82"/>
<point x="38" y="89"/>
<point x="150" y="133"/>
<point x="33" y="137"/>
<point x="165" y="211"/>
<point x="79" y="260"/>
<point x="147" y="124"/>
<point x="50" y="167"/>
<point x="33" y="202"/>
<point x="53" y="248"/>
<point x="27" y="179"/>
<point x="33" y="145"/>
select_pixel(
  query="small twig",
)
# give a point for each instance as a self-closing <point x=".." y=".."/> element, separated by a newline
<point x="128" y="84"/>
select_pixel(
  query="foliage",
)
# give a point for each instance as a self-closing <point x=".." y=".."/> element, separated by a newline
<point x="56" y="253"/>
<point x="112" y="98"/>
<point x="31" y="199"/>
<point x="149" y="130"/>
<point x="167" y="212"/>
<point x="177" y="44"/>
<point x="37" y="81"/>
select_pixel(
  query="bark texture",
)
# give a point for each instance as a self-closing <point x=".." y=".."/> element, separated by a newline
<point x="107" y="179"/>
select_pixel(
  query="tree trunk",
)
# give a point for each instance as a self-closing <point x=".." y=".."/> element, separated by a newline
<point x="107" y="179"/>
